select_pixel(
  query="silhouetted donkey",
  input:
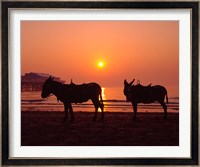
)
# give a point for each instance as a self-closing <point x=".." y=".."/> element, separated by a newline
<point x="72" y="93"/>
<point x="145" y="94"/>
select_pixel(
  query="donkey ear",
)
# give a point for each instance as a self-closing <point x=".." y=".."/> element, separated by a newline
<point x="49" y="78"/>
<point x="125" y="82"/>
<point x="131" y="82"/>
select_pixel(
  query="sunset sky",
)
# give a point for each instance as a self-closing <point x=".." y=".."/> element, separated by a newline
<point x="106" y="52"/>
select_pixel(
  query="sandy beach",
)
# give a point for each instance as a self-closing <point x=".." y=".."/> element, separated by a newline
<point x="118" y="129"/>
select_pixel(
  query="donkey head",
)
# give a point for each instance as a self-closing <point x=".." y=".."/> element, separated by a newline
<point x="47" y="87"/>
<point x="127" y="89"/>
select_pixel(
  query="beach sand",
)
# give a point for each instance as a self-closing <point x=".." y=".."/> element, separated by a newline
<point x="118" y="129"/>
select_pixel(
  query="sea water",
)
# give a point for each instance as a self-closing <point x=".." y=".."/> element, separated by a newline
<point x="114" y="101"/>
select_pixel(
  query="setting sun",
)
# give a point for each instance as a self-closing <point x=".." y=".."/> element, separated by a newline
<point x="100" y="64"/>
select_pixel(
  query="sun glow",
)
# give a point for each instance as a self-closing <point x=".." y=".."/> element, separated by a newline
<point x="103" y="97"/>
<point x="101" y="64"/>
<point x="103" y="94"/>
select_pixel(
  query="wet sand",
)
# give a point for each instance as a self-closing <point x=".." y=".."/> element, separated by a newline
<point x="117" y="129"/>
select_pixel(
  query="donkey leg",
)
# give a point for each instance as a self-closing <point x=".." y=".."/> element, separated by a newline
<point x="95" y="102"/>
<point x="165" y="109"/>
<point x="134" y="110"/>
<point x="71" y="112"/>
<point x="102" y="113"/>
<point x="95" y="113"/>
<point x="102" y="110"/>
<point x="66" y="112"/>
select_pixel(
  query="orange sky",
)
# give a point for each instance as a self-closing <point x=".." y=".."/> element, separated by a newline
<point x="144" y="50"/>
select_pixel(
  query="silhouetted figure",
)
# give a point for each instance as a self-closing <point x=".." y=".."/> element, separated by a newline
<point x="145" y="94"/>
<point x="72" y="93"/>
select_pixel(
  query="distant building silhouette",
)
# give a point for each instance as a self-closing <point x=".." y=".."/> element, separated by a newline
<point x="34" y="81"/>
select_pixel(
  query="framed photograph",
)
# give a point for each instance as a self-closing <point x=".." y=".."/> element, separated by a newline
<point x="100" y="83"/>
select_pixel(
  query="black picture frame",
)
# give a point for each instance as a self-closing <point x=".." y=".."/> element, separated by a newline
<point x="194" y="6"/>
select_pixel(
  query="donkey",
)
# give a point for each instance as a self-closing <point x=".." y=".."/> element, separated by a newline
<point x="145" y="94"/>
<point x="72" y="93"/>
